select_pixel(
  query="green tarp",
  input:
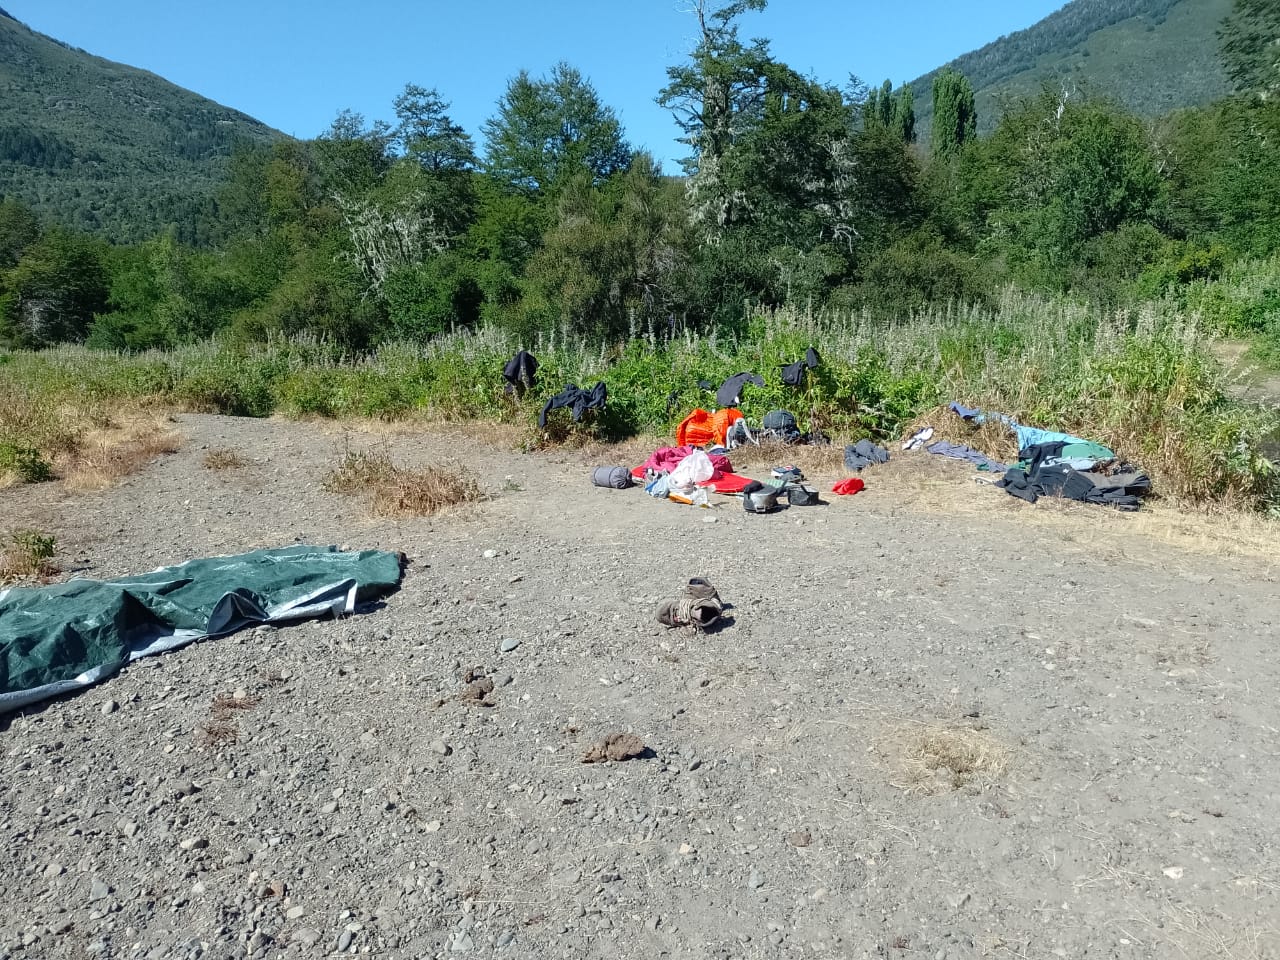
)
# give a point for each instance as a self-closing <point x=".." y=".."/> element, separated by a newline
<point x="59" y="638"/>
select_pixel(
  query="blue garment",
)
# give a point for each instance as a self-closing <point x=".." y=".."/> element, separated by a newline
<point x="658" y="487"/>
<point x="968" y="413"/>
<point x="959" y="451"/>
<point x="1027" y="436"/>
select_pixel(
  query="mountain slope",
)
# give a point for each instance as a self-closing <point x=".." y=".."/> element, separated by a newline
<point x="106" y="147"/>
<point x="1152" y="55"/>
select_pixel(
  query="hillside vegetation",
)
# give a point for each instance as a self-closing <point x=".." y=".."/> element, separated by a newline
<point x="105" y="147"/>
<point x="1069" y="268"/>
<point x="1152" y="55"/>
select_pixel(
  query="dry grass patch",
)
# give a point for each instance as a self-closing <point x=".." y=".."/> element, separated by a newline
<point x="215" y="734"/>
<point x="108" y="453"/>
<point x="932" y="757"/>
<point x="226" y="705"/>
<point x="994" y="438"/>
<point x="224" y="458"/>
<point x="399" y="492"/>
<point x="485" y="433"/>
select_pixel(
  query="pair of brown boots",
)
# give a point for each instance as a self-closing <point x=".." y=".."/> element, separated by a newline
<point x="698" y="606"/>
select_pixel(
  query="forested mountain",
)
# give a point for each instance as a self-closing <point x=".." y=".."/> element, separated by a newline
<point x="106" y="147"/>
<point x="1152" y="55"/>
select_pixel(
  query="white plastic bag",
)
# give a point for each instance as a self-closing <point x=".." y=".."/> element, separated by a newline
<point x="694" y="469"/>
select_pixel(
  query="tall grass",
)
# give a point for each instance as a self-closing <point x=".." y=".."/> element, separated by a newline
<point x="1141" y="381"/>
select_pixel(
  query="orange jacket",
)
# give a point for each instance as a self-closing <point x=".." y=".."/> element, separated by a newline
<point x="700" y="428"/>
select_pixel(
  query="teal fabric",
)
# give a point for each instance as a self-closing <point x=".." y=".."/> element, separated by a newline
<point x="69" y="635"/>
<point x="1087" y="450"/>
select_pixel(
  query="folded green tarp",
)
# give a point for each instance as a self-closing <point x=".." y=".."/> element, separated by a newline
<point x="59" y="638"/>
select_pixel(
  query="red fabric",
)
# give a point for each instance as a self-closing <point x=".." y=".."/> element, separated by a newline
<point x="666" y="459"/>
<point x="849" y="486"/>
<point x="729" y="483"/>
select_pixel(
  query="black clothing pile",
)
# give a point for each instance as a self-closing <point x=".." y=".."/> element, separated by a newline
<point x="1044" y="476"/>
<point x="578" y="401"/>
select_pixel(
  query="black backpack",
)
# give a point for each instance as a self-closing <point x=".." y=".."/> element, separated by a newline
<point x="781" y="425"/>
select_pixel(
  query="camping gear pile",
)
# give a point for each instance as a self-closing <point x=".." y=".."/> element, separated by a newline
<point x="1049" y="463"/>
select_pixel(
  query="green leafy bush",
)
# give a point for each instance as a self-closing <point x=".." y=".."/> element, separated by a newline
<point x="26" y="462"/>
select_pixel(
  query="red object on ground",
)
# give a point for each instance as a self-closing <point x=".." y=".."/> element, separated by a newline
<point x="728" y="483"/>
<point x="724" y="480"/>
<point x="849" y="486"/>
<point x="666" y="459"/>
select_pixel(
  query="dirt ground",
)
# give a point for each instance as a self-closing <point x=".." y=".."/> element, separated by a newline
<point x="937" y="723"/>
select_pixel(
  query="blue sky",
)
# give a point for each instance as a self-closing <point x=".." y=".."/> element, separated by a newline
<point x="295" y="65"/>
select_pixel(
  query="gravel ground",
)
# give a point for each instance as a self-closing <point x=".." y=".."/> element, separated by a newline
<point x="1102" y="710"/>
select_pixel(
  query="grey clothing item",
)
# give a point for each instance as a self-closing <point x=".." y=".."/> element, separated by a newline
<point x="959" y="451"/>
<point x="864" y="453"/>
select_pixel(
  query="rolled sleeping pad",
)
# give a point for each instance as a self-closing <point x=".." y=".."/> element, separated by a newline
<point x="617" y="478"/>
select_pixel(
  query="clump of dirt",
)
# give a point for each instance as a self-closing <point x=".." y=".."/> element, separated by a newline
<point x="615" y="746"/>
<point x="800" y="838"/>
<point x="478" y="690"/>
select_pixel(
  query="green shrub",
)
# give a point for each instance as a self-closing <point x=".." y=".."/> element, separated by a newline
<point x="26" y="462"/>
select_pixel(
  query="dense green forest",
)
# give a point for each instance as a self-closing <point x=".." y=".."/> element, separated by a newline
<point x="795" y="192"/>
<point x="1117" y="48"/>
<point x="109" y="149"/>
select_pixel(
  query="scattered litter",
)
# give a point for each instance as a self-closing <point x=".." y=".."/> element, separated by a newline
<point x="1053" y="464"/>
<point x="615" y="746"/>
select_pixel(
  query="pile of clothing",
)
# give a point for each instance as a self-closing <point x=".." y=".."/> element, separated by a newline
<point x="1054" y="464"/>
